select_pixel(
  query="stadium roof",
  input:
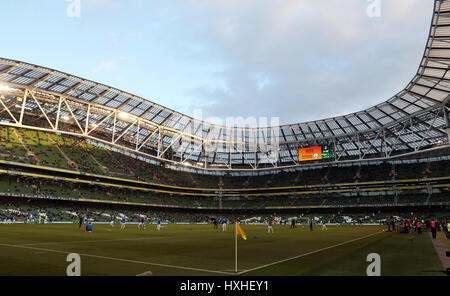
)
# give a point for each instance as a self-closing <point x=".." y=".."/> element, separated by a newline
<point x="413" y="120"/>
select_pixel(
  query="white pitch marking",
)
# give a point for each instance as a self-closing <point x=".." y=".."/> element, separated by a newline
<point x="306" y="254"/>
<point x="147" y="273"/>
<point x="96" y="241"/>
<point x="118" y="259"/>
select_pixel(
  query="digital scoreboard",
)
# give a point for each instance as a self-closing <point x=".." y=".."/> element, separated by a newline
<point x="315" y="153"/>
<point x="327" y="152"/>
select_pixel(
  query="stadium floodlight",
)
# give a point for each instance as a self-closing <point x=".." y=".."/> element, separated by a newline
<point x="124" y="115"/>
<point x="20" y="107"/>
<point x="4" y="88"/>
<point x="65" y="118"/>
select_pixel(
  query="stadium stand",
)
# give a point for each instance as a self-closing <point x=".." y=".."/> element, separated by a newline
<point x="68" y="139"/>
<point x="47" y="149"/>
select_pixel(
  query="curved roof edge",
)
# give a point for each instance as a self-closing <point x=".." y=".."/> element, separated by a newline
<point x="400" y="122"/>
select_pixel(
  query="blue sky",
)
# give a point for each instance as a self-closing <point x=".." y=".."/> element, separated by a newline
<point x="298" y="60"/>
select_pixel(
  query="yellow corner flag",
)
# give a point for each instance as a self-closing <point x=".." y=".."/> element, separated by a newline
<point x="240" y="231"/>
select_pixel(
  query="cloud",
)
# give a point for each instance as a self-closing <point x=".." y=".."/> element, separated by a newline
<point x="107" y="66"/>
<point x="306" y="60"/>
<point x="111" y="66"/>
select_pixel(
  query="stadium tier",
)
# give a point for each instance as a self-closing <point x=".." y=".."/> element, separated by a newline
<point x="37" y="148"/>
<point x="59" y="211"/>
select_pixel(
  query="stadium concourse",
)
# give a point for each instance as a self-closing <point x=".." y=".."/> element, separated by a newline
<point x="71" y="148"/>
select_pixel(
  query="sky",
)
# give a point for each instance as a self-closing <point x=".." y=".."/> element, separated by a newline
<point x="296" y="60"/>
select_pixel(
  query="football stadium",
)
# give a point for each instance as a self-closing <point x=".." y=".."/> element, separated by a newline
<point x="93" y="174"/>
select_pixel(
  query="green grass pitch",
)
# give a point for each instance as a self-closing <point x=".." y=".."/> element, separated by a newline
<point x="191" y="250"/>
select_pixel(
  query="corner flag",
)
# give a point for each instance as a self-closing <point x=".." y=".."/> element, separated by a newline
<point x="240" y="231"/>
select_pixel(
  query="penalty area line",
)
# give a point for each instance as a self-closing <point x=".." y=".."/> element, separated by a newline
<point x="120" y="259"/>
<point x="309" y="253"/>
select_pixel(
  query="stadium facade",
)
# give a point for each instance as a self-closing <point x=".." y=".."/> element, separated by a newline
<point x="413" y="122"/>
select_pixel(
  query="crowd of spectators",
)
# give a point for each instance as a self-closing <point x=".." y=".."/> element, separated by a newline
<point x="73" y="153"/>
<point x="20" y="209"/>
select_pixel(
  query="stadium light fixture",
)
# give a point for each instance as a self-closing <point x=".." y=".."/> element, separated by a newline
<point x="65" y="118"/>
<point x="4" y="88"/>
<point x="20" y="107"/>
<point x="124" y="115"/>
